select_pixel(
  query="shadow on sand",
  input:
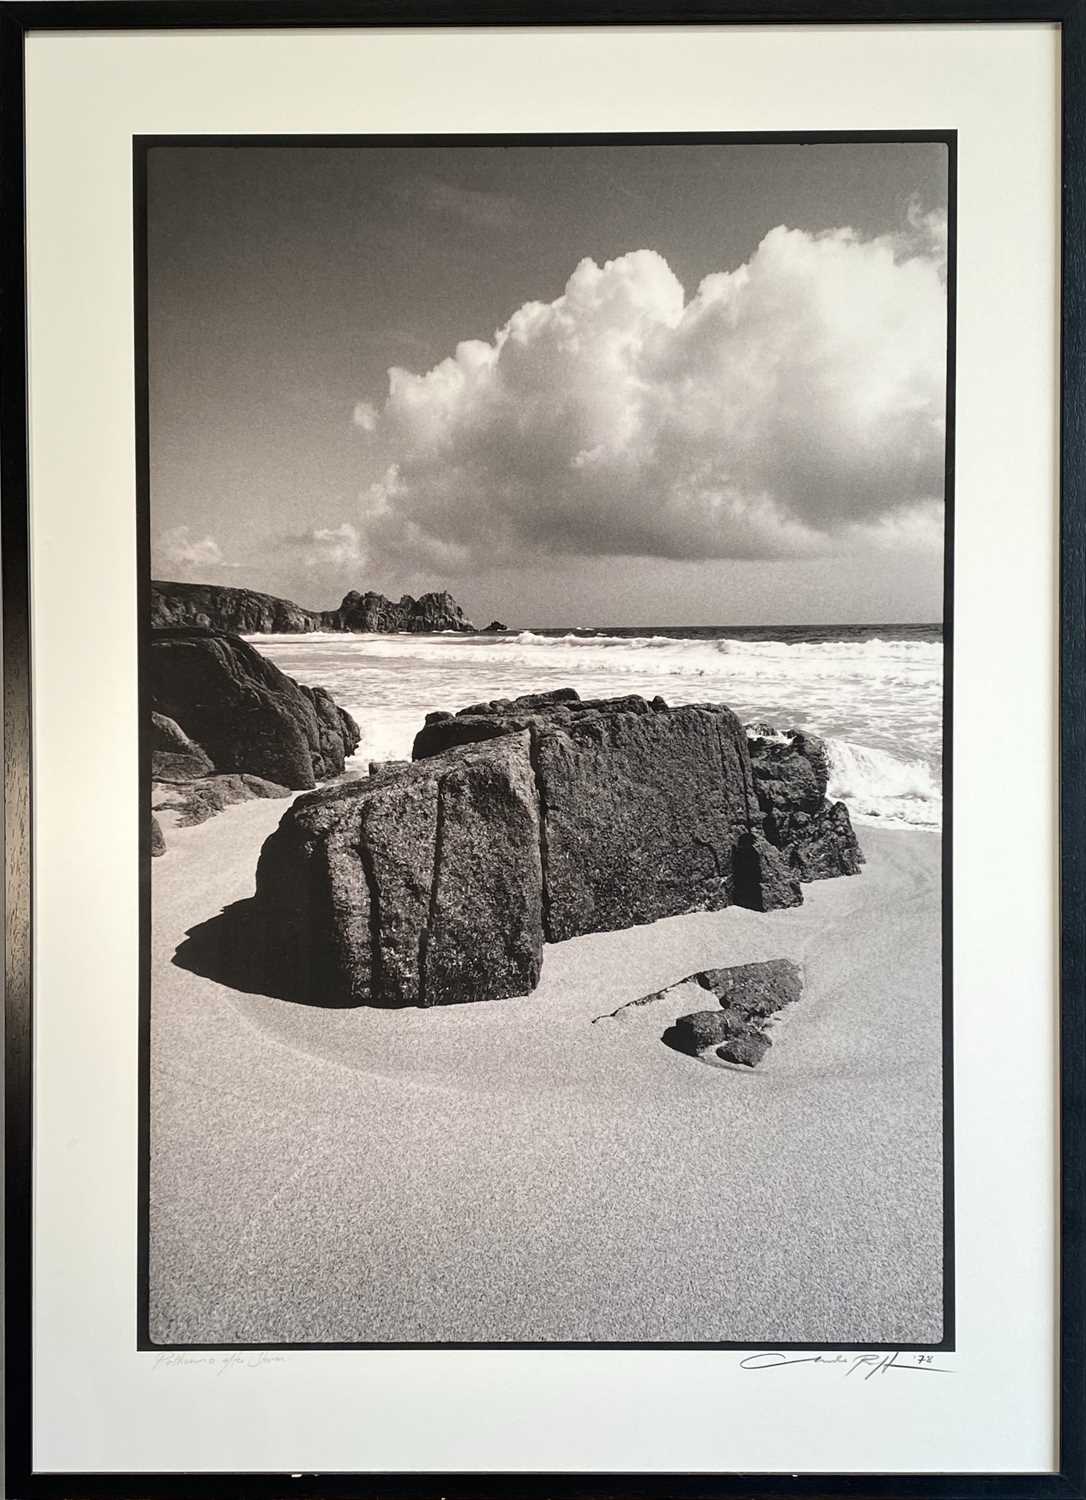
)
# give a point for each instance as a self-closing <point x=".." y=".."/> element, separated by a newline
<point x="240" y="949"/>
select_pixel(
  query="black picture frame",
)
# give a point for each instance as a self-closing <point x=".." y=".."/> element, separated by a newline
<point x="17" y="20"/>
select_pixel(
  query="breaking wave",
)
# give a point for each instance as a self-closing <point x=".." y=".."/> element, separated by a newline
<point x="877" y="785"/>
<point x="875" y="698"/>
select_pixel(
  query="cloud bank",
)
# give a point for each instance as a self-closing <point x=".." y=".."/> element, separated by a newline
<point x="180" y="556"/>
<point x="792" y="407"/>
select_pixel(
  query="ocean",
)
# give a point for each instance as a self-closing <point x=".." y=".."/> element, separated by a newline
<point x="874" y="692"/>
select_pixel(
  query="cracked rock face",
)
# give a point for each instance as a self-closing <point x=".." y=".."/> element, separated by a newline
<point x="645" y="809"/>
<point x="418" y="887"/>
<point x="519" y="821"/>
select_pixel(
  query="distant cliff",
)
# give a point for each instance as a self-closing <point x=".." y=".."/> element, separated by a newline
<point x="245" y="612"/>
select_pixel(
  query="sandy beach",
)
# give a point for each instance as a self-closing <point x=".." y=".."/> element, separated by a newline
<point x="518" y="1171"/>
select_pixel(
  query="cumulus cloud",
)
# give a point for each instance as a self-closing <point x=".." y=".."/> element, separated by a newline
<point x="791" y="407"/>
<point x="331" y="548"/>
<point x="182" y="556"/>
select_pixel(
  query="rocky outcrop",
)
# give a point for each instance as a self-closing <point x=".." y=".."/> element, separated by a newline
<point x="644" y="808"/>
<point x="238" y="611"/>
<point x="430" y="614"/>
<point x="246" y="612"/>
<point x="243" y="713"/>
<point x="748" y="995"/>
<point x="791" y="775"/>
<point x="518" y="821"/>
<point x="417" y="887"/>
<point x="495" y="628"/>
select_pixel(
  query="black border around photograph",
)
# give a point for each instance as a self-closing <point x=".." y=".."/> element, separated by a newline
<point x="141" y="147"/>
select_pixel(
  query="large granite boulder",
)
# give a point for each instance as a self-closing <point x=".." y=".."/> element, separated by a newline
<point x="416" y="887"/>
<point x="243" y="712"/>
<point x="791" y="775"/>
<point x="644" y="808"/>
<point x="519" y="821"/>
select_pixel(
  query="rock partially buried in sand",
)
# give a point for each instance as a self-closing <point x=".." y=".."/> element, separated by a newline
<point x="702" y="1029"/>
<point x="244" y="713"/>
<point x="747" y="1049"/>
<point x="749" y="995"/>
<point x="519" y="821"/>
<point x="754" y="990"/>
<point x="647" y="811"/>
<point x="158" y="843"/>
<point x="418" y="887"/>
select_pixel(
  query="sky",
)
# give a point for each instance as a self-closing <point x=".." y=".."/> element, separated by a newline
<point x="613" y="384"/>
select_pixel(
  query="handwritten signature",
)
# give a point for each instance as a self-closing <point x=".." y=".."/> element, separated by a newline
<point x="848" y="1364"/>
<point x="220" y="1363"/>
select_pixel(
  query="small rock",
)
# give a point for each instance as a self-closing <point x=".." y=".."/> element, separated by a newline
<point x="748" y="1048"/>
<point x="755" y="990"/>
<point x="158" y="843"/>
<point x="749" y="994"/>
<point x="702" y="1029"/>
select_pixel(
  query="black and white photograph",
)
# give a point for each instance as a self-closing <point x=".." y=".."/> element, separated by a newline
<point x="546" y="606"/>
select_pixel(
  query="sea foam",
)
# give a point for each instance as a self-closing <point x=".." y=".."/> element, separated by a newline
<point x="877" y="700"/>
